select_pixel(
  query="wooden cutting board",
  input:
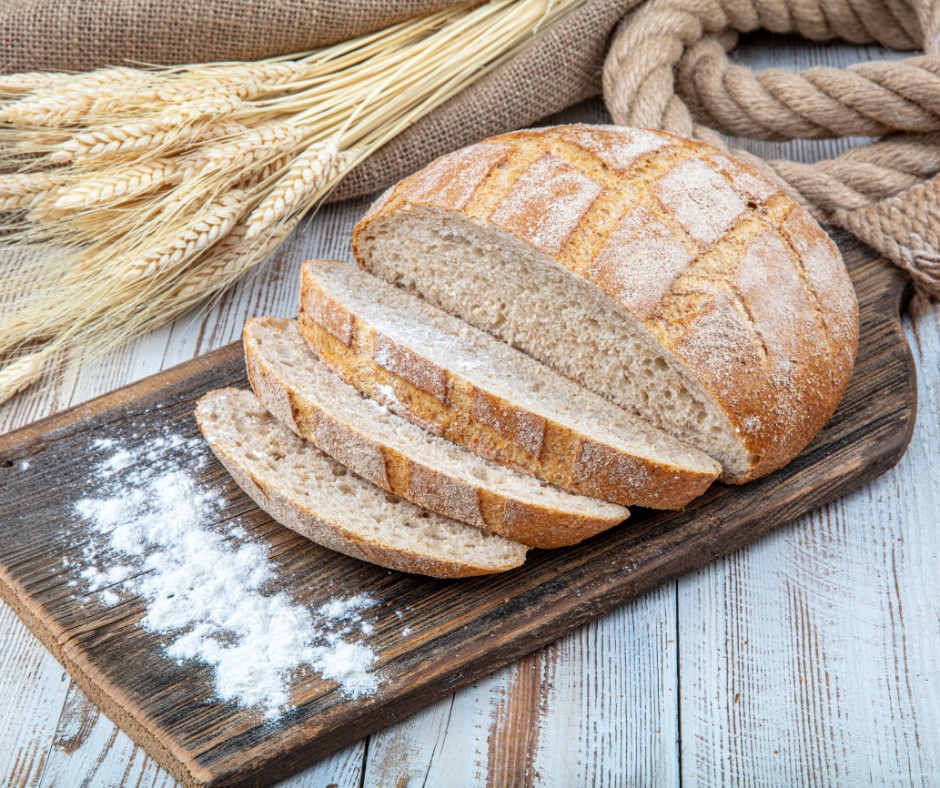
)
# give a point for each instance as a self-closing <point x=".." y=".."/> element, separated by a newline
<point x="430" y="636"/>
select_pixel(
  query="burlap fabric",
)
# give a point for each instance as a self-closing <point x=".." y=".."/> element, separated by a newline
<point x="59" y="35"/>
<point x="667" y="68"/>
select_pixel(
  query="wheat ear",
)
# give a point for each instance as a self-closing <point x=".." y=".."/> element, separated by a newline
<point x="62" y="82"/>
<point x="252" y="178"/>
<point x="14" y="84"/>
<point x="215" y="221"/>
<point x="245" y="82"/>
<point x="21" y="373"/>
<point x="230" y="258"/>
<point x="307" y="175"/>
<point x="127" y="182"/>
<point x="179" y="126"/>
<point x="257" y="145"/>
<point x="54" y="110"/>
<point x="26" y="190"/>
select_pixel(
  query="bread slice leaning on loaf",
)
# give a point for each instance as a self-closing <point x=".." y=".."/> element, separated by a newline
<point x="670" y="278"/>
<point x="311" y="493"/>
<point x="297" y="388"/>
<point x="462" y="384"/>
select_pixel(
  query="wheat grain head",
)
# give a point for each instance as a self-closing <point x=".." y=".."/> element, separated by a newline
<point x="131" y="181"/>
<point x="254" y="146"/>
<point x="306" y="176"/>
<point x="26" y="190"/>
<point x="210" y="224"/>
<point x="181" y="126"/>
<point x="229" y="259"/>
<point x="21" y="373"/>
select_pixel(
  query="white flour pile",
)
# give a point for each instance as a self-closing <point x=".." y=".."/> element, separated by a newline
<point x="204" y="590"/>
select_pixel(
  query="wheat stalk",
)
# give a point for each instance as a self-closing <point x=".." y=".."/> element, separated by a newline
<point x="215" y="221"/>
<point x="25" y="190"/>
<point x="130" y="181"/>
<point x="22" y="373"/>
<point x="152" y="189"/>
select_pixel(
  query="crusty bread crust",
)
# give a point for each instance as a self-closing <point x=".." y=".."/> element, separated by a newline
<point x="737" y="282"/>
<point x="482" y="505"/>
<point x="292" y="514"/>
<point x="467" y="413"/>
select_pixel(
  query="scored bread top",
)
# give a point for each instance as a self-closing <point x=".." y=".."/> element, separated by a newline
<point x="735" y="280"/>
<point x="460" y="383"/>
<point x="297" y="388"/>
<point x="309" y="492"/>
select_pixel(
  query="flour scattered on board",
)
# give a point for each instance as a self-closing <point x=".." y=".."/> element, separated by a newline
<point x="204" y="590"/>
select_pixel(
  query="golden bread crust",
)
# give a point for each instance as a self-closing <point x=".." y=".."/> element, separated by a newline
<point x="735" y="280"/>
<point x="293" y="515"/>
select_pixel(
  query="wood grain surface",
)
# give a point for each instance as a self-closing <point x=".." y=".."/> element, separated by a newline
<point x="809" y="657"/>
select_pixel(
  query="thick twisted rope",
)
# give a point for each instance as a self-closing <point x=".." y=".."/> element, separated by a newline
<point x="668" y="68"/>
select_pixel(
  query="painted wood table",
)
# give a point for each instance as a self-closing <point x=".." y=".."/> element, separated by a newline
<point x="810" y="657"/>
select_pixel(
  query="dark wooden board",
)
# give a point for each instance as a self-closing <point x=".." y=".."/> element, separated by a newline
<point x="459" y="630"/>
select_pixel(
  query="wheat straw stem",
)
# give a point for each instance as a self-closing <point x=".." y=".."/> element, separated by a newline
<point x="437" y="56"/>
<point x="376" y="133"/>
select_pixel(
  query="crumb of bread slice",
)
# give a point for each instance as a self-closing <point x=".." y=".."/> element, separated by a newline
<point x="404" y="459"/>
<point x="461" y="383"/>
<point x="309" y="492"/>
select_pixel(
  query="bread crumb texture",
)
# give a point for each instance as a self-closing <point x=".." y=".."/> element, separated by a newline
<point x="672" y="279"/>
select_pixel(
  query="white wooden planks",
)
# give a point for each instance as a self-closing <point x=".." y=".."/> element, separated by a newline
<point x="33" y="687"/>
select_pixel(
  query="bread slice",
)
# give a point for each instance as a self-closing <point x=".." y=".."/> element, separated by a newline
<point x="460" y="383"/>
<point x="672" y="279"/>
<point x="311" y="493"/>
<point x="404" y="459"/>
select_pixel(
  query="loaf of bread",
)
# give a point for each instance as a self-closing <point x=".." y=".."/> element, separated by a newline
<point x="675" y="281"/>
<point x="311" y="493"/>
<point x="402" y="458"/>
<point x="462" y="384"/>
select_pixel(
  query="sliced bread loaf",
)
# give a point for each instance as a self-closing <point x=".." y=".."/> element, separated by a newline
<point x="311" y="493"/>
<point x="674" y="280"/>
<point x="404" y="459"/>
<point x="460" y="383"/>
